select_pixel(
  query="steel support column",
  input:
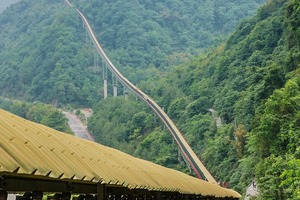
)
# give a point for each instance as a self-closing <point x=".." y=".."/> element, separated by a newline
<point x="3" y="194"/>
<point x="159" y="196"/>
<point x="101" y="192"/>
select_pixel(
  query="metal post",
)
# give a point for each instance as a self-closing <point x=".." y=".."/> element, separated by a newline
<point x="159" y="196"/>
<point x="37" y="195"/>
<point x="101" y="190"/>
<point x="3" y="195"/>
<point x="66" y="196"/>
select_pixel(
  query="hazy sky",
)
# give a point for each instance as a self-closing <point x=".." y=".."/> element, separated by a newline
<point x="6" y="3"/>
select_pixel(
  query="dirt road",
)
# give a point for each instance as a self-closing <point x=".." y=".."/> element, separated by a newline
<point x="76" y="125"/>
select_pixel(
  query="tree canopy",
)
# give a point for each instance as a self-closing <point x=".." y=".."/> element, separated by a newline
<point x="38" y="112"/>
<point x="236" y="103"/>
<point x="48" y="56"/>
<point x="250" y="84"/>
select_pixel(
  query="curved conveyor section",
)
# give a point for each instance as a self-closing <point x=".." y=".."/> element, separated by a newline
<point x="188" y="153"/>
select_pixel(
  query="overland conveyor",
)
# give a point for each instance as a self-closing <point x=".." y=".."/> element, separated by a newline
<point x="195" y="163"/>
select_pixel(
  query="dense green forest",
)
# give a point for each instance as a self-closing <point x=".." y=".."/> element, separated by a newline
<point x="145" y="34"/>
<point x="37" y="112"/>
<point x="252" y="82"/>
<point x="47" y="56"/>
<point x="44" y="56"/>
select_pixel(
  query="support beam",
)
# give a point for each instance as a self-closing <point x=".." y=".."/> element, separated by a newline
<point x="101" y="192"/>
<point x="104" y="72"/>
<point x="159" y="196"/>
<point x="115" y="91"/>
<point x="39" y="196"/>
<point x="105" y="89"/>
<point x="125" y="93"/>
<point x="3" y="194"/>
<point x="66" y="196"/>
<point x="115" y="86"/>
<point x="21" y="184"/>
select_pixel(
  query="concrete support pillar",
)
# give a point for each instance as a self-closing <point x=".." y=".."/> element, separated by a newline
<point x="105" y="89"/>
<point x="115" y="90"/>
<point x="125" y="93"/>
<point x="115" y="86"/>
<point x="104" y="71"/>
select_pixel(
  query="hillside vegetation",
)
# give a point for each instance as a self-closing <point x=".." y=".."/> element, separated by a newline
<point x="47" y="56"/>
<point x="252" y="82"/>
<point x="144" y="34"/>
<point x="6" y="3"/>
<point x="44" y="56"/>
<point x="37" y="112"/>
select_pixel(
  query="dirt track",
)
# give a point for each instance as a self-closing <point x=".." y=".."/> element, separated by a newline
<point x="76" y="125"/>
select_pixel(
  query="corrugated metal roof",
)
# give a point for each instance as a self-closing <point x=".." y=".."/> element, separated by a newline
<point x="33" y="149"/>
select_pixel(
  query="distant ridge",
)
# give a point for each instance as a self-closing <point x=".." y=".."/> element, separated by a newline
<point x="5" y="4"/>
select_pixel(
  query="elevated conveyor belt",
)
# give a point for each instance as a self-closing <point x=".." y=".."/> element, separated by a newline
<point x="37" y="158"/>
<point x="197" y="166"/>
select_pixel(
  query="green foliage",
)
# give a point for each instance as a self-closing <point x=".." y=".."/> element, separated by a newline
<point x="145" y="33"/>
<point x="279" y="177"/>
<point x="198" y="129"/>
<point x="44" y="56"/>
<point x="38" y="112"/>
<point x="278" y="129"/>
<point x="251" y="81"/>
<point x="252" y="84"/>
<point x="117" y="122"/>
<point x="291" y="178"/>
<point x="293" y="33"/>
<point x="47" y="56"/>
<point x="132" y="127"/>
<point x="268" y="172"/>
<point x="220" y="155"/>
<point x="159" y="147"/>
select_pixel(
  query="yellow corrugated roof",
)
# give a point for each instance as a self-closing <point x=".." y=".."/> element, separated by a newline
<point x="30" y="148"/>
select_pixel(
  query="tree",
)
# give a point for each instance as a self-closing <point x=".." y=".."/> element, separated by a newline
<point x="291" y="178"/>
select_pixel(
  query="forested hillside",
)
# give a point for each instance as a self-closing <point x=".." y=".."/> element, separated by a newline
<point x="38" y="112"/>
<point x="44" y="56"/>
<point x="252" y="82"/>
<point x="5" y="3"/>
<point x="143" y="34"/>
<point x="47" y="56"/>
